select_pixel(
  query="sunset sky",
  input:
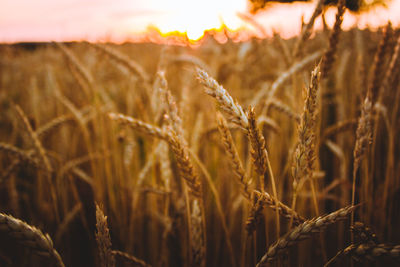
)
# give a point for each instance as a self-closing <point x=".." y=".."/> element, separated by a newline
<point x="118" y="20"/>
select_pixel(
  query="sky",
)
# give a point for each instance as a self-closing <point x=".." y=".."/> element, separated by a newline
<point x="118" y="20"/>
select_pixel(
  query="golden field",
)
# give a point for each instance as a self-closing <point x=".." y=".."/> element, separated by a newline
<point x="270" y="152"/>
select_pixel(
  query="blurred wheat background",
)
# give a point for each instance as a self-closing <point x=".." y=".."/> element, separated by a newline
<point x="220" y="155"/>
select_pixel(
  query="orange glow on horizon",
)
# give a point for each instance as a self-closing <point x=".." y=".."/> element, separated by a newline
<point x="193" y="19"/>
<point x="196" y="35"/>
<point x="190" y="23"/>
<point x="221" y="35"/>
<point x="187" y="22"/>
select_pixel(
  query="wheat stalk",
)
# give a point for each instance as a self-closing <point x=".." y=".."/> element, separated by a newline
<point x="189" y="59"/>
<point x="38" y="145"/>
<point x="269" y="123"/>
<point x="261" y="199"/>
<point x="75" y="61"/>
<point x="84" y="76"/>
<point x="284" y="210"/>
<point x="20" y="154"/>
<point x="122" y="59"/>
<point x="68" y="219"/>
<point x="10" y="169"/>
<point x="269" y="93"/>
<point x="138" y="125"/>
<point x="53" y="124"/>
<point x="281" y="107"/>
<point x="339" y="127"/>
<point x="254" y="215"/>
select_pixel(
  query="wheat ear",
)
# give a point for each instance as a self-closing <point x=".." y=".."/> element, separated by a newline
<point x="392" y="72"/>
<point x="224" y="99"/>
<point x="281" y="107"/>
<point x="364" y="233"/>
<point x="303" y="231"/>
<point x="329" y="57"/>
<point x="30" y="236"/>
<point x="306" y="31"/>
<point x="368" y="251"/>
<point x="230" y="147"/>
<point x="378" y="65"/>
<point x="129" y="258"/>
<point x="197" y="235"/>
<point x="103" y="240"/>
<point x="258" y="148"/>
<point x="173" y="117"/>
<point x="185" y="165"/>
<point x="238" y="116"/>
<point x="363" y="139"/>
<point x="305" y="151"/>
<point x="176" y="139"/>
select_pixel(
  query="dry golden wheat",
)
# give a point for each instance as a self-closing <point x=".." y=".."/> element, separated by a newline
<point x="303" y="231"/>
<point x="31" y="237"/>
<point x="129" y="258"/>
<point x="103" y="240"/>
<point x="234" y="156"/>
<point x="329" y="56"/>
<point x="368" y="251"/>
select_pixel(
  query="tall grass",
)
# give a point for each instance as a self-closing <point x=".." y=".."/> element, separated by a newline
<point x="229" y="154"/>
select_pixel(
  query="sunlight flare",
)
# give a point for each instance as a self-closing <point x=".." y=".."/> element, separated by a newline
<point x="194" y="18"/>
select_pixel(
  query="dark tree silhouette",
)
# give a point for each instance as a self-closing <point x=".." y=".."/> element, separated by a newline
<point x="353" y="5"/>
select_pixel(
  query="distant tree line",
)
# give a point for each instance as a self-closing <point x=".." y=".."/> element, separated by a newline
<point x="353" y="5"/>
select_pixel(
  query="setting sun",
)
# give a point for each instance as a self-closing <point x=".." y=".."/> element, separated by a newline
<point x="193" y="18"/>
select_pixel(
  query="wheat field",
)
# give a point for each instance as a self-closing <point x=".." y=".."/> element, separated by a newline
<point x="264" y="153"/>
